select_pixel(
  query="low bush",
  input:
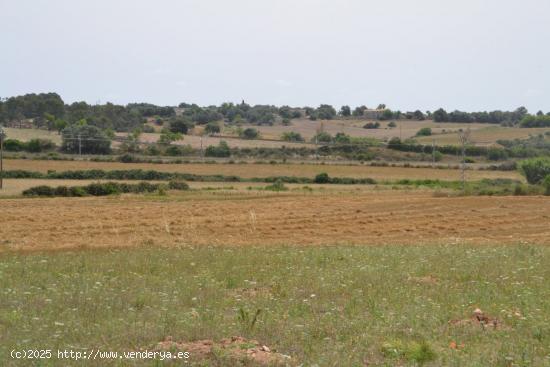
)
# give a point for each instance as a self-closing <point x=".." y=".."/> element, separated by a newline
<point x="276" y="186"/>
<point x="322" y="178"/>
<point x="536" y="169"/>
<point x="221" y="150"/>
<point x="425" y="131"/>
<point x="178" y="185"/>
<point x="32" y="146"/>
<point x="546" y="185"/>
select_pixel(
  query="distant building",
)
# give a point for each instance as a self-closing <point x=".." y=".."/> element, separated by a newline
<point x="372" y="114"/>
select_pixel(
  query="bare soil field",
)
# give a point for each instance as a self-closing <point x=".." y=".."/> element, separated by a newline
<point x="384" y="217"/>
<point x="265" y="170"/>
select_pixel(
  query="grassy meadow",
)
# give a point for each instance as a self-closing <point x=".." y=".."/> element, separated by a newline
<point x="28" y="134"/>
<point x="323" y="306"/>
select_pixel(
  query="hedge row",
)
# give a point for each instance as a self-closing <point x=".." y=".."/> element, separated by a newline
<point x="102" y="189"/>
<point x="32" y="146"/>
<point x="150" y="175"/>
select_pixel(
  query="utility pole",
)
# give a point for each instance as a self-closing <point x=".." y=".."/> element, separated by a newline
<point x="79" y="144"/>
<point x="2" y="136"/>
<point x="464" y="137"/>
<point x="202" y="153"/>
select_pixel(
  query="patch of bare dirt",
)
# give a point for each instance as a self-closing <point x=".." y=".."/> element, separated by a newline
<point x="236" y="349"/>
<point x="428" y="279"/>
<point x="479" y="319"/>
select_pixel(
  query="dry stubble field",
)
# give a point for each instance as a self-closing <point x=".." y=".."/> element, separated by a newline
<point x="208" y="218"/>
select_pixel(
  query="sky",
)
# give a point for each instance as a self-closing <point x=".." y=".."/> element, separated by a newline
<point x="423" y="54"/>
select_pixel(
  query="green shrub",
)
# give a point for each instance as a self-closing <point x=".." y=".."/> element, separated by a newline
<point x="41" y="190"/>
<point x="178" y="185"/>
<point x="291" y="136"/>
<point x="277" y="186"/>
<point x="173" y="150"/>
<point x="127" y="158"/>
<point x="322" y="178"/>
<point x="425" y="131"/>
<point x="546" y="185"/>
<point x="39" y="145"/>
<point x="372" y="125"/>
<point x="221" y="150"/>
<point x="32" y="146"/>
<point x="496" y="154"/>
<point x="77" y="191"/>
<point x="322" y="137"/>
<point x="535" y="169"/>
<point x="14" y="145"/>
<point x="102" y="189"/>
<point x="249" y="133"/>
<point x="420" y="353"/>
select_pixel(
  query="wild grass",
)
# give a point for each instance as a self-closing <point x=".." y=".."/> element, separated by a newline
<point x="28" y="134"/>
<point x="325" y="306"/>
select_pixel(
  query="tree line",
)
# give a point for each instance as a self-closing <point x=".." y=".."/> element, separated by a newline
<point x="48" y="110"/>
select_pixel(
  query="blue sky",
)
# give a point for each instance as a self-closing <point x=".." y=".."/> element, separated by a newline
<point x="467" y="54"/>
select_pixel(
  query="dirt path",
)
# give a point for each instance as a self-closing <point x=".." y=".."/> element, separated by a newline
<point x="362" y="218"/>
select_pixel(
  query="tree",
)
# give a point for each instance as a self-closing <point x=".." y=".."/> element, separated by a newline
<point x="386" y="115"/>
<point x="535" y="121"/>
<point x="249" y="133"/>
<point x="60" y="125"/>
<point x="418" y="115"/>
<point x="325" y="112"/>
<point x="167" y="137"/>
<point x="440" y="115"/>
<point x="296" y="114"/>
<point x="345" y="111"/>
<point x="359" y="111"/>
<point x="212" y="128"/>
<point x="85" y="139"/>
<point x="285" y="112"/>
<point x="179" y="125"/>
